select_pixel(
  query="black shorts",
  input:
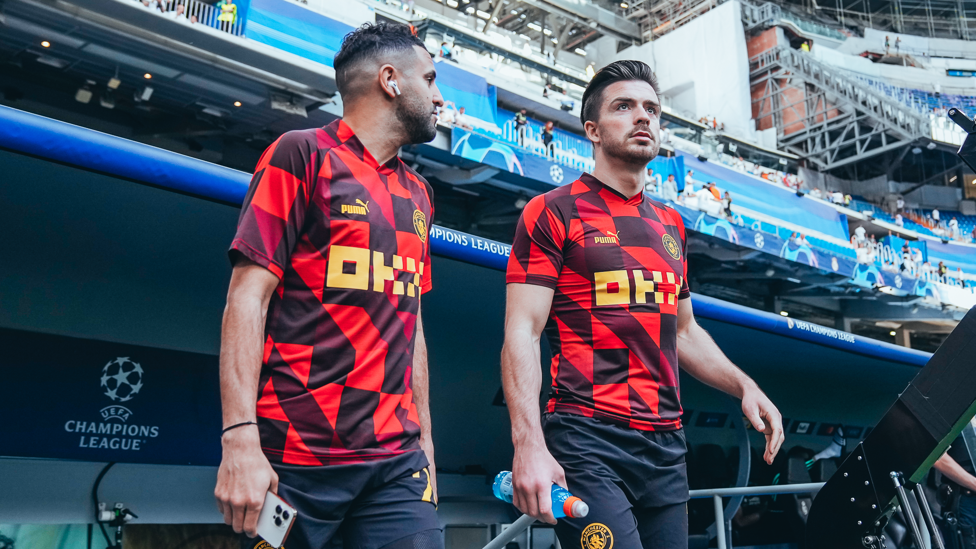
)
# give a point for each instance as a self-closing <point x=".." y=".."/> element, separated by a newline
<point x="370" y="504"/>
<point x="634" y="482"/>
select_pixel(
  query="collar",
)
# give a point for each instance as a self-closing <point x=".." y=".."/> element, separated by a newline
<point x="348" y="138"/>
<point x="609" y="192"/>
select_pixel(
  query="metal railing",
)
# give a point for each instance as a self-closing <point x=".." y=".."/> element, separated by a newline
<point x="716" y="494"/>
<point x="197" y="12"/>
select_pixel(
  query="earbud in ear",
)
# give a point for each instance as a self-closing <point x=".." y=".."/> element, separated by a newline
<point x="396" y="88"/>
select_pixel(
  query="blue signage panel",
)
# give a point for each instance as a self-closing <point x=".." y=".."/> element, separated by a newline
<point x="498" y="154"/>
<point x="98" y="401"/>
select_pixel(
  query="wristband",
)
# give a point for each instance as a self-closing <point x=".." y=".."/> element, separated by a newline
<point x="236" y="425"/>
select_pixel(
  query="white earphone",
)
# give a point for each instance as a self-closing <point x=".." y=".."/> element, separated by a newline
<point x="396" y="88"/>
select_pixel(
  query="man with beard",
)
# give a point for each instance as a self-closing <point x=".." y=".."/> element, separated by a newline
<point x="323" y="365"/>
<point x="602" y="267"/>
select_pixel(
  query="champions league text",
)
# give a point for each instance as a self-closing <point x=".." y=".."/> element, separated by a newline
<point x="113" y="436"/>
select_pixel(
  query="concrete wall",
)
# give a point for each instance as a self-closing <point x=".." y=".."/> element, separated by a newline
<point x="703" y="68"/>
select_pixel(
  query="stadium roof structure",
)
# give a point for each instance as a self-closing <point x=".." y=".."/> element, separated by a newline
<point x="928" y="18"/>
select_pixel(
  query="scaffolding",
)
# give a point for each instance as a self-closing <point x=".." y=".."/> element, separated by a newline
<point x="824" y="116"/>
<point x="927" y="18"/>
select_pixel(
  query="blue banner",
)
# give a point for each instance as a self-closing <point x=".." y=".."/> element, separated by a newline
<point x="764" y="237"/>
<point x="665" y="166"/>
<point x="99" y="401"/>
<point x="295" y="29"/>
<point x="762" y="197"/>
<point x="469" y="248"/>
<point x="467" y="90"/>
<point x="496" y="153"/>
<point x="954" y="256"/>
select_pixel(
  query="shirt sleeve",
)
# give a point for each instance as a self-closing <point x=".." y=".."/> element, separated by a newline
<point x="427" y="282"/>
<point x="537" y="250"/>
<point x="276" y="203"/>
<point x="685" y="291"/>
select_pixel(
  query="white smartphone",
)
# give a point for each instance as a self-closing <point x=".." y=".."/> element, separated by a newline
<point x="275" y="520"/>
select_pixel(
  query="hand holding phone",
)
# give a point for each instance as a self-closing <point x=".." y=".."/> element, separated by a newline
<point x="275" y="520"/>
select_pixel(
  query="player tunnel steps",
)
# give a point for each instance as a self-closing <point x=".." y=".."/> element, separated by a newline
<point x="818" y="110"/>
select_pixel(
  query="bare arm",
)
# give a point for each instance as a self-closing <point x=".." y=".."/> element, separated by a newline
<point x="701" y="357"/>
<point x="951" y="468"/>
<point x="245" y="474"/>
<point x="533" y="469"/>
<point x="421" y="399"/>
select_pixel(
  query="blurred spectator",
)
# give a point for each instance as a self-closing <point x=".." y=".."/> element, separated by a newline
<point x="942" y="269"/>
<point x="899" y="221"/>
<point x="178" y="13"/>
<point x="521" y="126"/>
<point x="714" y="190"/>
<point x="708" y="200"/>
<point x="935" y="216"/>
<point x="805" y="46"/>
<point x="847" y="199"/>
<point x="446" y="114"/>
<point x="960" y="278"/>
<point x="446" y="51"/>
<point x="802" y="240"/>
<point x="689" y="180"/>
<point x="548" y="133"/>
<point x="462" y="119"/>
<point x="727" y="205"/>
<point x="227" y="14"/>
<point x="652" y="183"/>
<point x="973" y="235"/>
<point x="907" y="264"/>
<point x="953" y="228"/>
<point x="859" y="237"/>
<point x="816" y="193"/>
<point x="670" y="190"/>
<point x="665" y="135"/>
<point x="897" y="45"/>
<point x="153" y="4"/>
<point x="900" y="205"/>
<point x="887" y="45"/>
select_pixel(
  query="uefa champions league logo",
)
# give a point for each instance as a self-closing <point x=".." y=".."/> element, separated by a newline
<point x="121" y="379"/>
<point x="760" y="241"/>
<point x="556" y="173"/>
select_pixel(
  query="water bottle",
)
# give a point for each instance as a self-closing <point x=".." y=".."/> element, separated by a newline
<point x="564" y="504"/>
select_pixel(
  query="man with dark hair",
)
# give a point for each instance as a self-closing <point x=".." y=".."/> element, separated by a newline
<point x="323" y="365"/>
<point x="602" y="268"/>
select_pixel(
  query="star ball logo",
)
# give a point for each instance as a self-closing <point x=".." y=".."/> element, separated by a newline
<point x="121" y="381"/>
<point x="556" y="173"/>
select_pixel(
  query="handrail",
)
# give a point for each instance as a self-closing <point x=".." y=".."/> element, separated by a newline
<point x="757" y="490"/>
<point x="717" y="493"/>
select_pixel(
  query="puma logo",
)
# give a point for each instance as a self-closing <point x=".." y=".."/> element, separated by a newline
<point x="611" y="238"/>
<point x="361" y="209"/>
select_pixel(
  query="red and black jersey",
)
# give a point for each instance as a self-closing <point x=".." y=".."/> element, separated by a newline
<point x="617" y="267"/>
<point x="348" y="239"/>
